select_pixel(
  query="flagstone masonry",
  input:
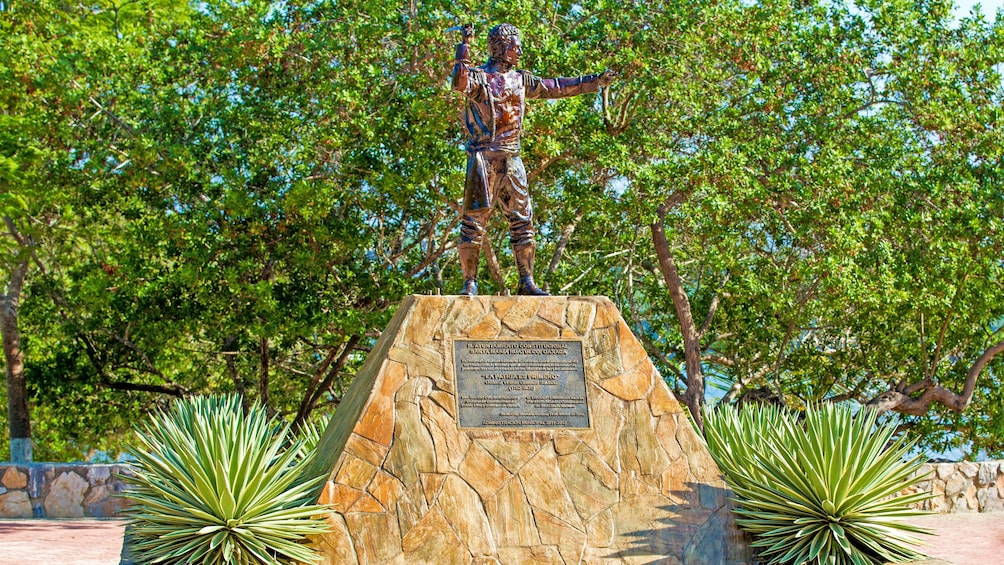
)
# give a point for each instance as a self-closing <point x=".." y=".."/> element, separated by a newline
<point x="408" y="485"/>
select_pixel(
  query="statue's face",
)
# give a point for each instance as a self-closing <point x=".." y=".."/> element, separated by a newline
<point x="512" y="51"/>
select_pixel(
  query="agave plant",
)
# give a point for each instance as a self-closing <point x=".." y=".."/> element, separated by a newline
<point x="216" y="485"/>
<point x="310" y="434"/>
<point x="822" y="490"/>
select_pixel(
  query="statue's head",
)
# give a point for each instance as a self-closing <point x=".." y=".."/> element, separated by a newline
<point x="503" y="43"/>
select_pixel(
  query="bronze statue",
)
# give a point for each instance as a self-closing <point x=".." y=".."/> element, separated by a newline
<point x="496" y="94"/>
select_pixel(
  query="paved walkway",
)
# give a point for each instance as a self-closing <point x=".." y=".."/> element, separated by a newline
<point x="69" y="542"/>
<point x="965" y="539"/>
<point x="962" y="539"/>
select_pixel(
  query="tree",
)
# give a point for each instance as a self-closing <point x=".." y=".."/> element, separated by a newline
<point x="805" y="176"/>
<point x="234" y="196"/>
<point x="52" y="120"/>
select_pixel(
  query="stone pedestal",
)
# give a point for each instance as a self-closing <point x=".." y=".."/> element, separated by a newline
<point x="408" y="485"/>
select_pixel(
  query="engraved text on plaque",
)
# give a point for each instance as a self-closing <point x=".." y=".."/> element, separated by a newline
<point x="520" y="384"/>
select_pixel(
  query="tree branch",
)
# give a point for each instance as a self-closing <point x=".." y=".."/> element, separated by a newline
<point x="172" y="389"/>
<point x="25" y="242"/>
<point x="333" y="372"/>
<point x="447" y="243"/>
<point x="308" y="395"/>
<point x="150" y="367"/>
<point x="904" y="404"/>
<point x="810" y="291"/>
<point x="110" y="114"/>
<point x="944" y="328"/>
<point x="566" y="236"/>
<point x="713" y="308"/>
<point x="492" y="262"/>
<point x="546" y="163"/>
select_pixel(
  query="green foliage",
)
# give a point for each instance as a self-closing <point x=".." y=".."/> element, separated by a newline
<point x="822" y="490"/>
<point x="839" y="223"/>
<point x="216" y="485"/>
<point x="228" y="196"/>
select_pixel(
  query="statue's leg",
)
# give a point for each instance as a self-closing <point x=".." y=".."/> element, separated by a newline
<point x="469" y="257"/>
<point x="524" y="264"/>
<point x="474" y="220"/>
<point x="515" y="198"/>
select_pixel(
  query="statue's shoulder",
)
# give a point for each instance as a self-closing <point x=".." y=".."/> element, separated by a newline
<point x="526" y="75"/>
<point x="479" y="74"/>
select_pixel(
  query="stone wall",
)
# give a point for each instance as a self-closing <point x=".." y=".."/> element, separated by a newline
<point x="61" y="490"/>
<point x="55" y="490"/>
<point x="963" y="486"/>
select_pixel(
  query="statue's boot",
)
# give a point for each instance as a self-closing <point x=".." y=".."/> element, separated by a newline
<point x="469" y="257"/>
<point x="524" y="264"/>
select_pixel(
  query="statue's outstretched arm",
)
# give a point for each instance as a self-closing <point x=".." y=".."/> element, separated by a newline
<point x="564" y="87"/>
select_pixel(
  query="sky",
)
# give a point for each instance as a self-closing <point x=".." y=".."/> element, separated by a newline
<point x="990" y="7"/>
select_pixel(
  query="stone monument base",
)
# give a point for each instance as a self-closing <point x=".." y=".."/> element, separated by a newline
<point x="632" y="483"/>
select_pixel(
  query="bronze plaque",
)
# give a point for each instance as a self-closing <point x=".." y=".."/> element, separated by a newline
<point x="520" y="384"/>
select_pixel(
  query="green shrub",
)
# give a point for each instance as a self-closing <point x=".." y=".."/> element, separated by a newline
<point x="818" y="491"/>
<point x="216" y="485"/>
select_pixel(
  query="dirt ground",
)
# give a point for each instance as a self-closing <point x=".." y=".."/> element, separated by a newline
<point x="961" y="539"/>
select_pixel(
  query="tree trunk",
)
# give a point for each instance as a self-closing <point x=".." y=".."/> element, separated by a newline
<point x="318" y="387"/>
<point x="566" y="236"/>
<point x="229" y="354"/>
<point x="18" y="416"/>
<point x="263" y="384"/>
<point x="693" y="396"/>
<point x="492" y="262"/>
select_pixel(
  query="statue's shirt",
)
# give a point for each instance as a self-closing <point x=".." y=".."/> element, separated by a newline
<point x="496" y="103"/>
<point x="507" y="98"/>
